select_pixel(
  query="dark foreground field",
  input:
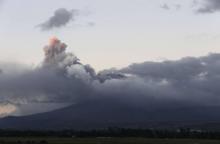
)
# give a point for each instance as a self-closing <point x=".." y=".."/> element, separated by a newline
<point x="103" y="141"/>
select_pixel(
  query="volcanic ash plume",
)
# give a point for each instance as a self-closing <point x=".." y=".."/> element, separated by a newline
<point x="54" y="48"/>
<point x="55" y="54"/>
<point x="57" y="57"/>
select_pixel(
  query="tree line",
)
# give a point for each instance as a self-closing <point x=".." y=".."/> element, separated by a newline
<point x="116" y="132"/>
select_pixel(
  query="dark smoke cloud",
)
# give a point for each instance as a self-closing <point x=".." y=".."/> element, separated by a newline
<point x="60" y="18"/>
<point x="62" y="78"/>
<point x="209" y="6"/>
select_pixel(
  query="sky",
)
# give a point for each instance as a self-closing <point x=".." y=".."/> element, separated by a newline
<point x="112" y="33"/>
<point x="164" y="51"/>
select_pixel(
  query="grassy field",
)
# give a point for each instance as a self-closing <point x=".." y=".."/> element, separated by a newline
<point x="103" y="141"/>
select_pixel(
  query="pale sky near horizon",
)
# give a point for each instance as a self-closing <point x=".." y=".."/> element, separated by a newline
<point x="124" y="31"/>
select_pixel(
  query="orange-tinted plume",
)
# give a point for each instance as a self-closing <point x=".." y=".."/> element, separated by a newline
<point x="53" y="41"/>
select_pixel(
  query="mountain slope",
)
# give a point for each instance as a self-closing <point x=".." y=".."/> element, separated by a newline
<point x="105" y="113"/>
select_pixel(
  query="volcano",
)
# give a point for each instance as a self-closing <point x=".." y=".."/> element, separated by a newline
<point x="96" y="114"/>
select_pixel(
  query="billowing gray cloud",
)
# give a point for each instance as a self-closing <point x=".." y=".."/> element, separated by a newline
<point x="189" y="79"/>
<point x="62" y="78"/>
<point x="60" y="18"/>
<point x="209" y="6"/>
